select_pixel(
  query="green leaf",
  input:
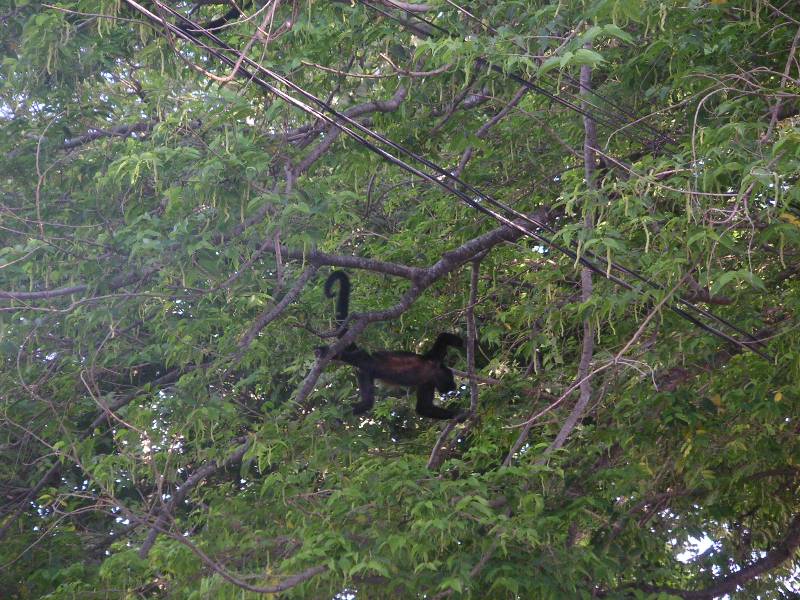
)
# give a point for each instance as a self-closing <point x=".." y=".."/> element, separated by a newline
<point x="584" y="56"/>
<point x="617" y="32"/>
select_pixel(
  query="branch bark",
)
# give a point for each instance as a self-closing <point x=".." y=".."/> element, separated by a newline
<point x="587" y="351"/>
<point x="438" y="452"/>
<point x="165" y="514"/>
<point x="782" y="552"/>
<point x="332" y="132"/>
<point x="784" y="80"/>
<point x="116" y="283"/>
<point x="267" y="317"/>
<point x="472" y="336"/>
<point x="118" y="131"/>
<point x="483" y="131"/>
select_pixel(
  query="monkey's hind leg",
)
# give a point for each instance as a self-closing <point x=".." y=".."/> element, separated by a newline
<point x="444" y="380"/>
<point x="426" y="408"/>
<point x="366" y="385"/>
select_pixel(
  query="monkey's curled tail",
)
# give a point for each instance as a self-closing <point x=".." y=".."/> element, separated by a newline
<point x="343" y="301"/>
<point x="439" y="349"/>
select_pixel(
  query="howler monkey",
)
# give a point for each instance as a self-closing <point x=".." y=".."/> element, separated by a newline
<point x="233" y="13"/>
<point x="426" y="372"/>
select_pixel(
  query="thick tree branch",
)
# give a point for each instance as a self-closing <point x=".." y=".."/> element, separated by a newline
<point x="332" y="131"/>
<point x="408" y="6"/>
<point x="782" y="551"/>
<point x="303" y="135"/>
<point x="584" y="376"/>
<point x="116" y="283"/>
<point x="587" y="349"/>
<point x="44" y="294"/>
<point x="118" y="131"/>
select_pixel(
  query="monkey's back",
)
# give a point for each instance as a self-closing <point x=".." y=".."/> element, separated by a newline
<point x="403" y="368"/>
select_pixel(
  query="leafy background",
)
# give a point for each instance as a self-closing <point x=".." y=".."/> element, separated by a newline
<point x="160" y="438"/>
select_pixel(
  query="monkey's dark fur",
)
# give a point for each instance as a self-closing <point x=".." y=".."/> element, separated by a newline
<point x="426" y="372"/>
<point x="232" y="14"/>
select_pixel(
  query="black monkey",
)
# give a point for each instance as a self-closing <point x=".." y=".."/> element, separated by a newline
<point x="233" y="13"/>
<point x="426" y="372"/>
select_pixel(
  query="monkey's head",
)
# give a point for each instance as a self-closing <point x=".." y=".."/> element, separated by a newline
<point x="451" y="339"/>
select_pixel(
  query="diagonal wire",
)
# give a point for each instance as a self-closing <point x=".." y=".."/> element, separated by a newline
<point x="338" y="119"/>
<point x="576" y="108"/>
<point x="458" y="193"/>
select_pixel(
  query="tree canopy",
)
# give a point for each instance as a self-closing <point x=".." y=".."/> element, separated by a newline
<point x="601" y="197"/>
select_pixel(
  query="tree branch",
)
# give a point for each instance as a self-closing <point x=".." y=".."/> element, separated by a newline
<point x="268" y="316"/>
<point x="116" y="283"/>
<point x="118" y="131"/>
<point x="782" y="552"/>
<point x="484" y="129"/>
<point x="784" y="79"/>
<point x="216" y="567"/>
<point x="332" y="132"/>
<point x="587" y="351"/>
<point x="179" y="495"/>
<point x="472" y="336"/>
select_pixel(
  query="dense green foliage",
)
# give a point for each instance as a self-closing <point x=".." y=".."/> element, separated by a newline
<point x="156" y="212"/>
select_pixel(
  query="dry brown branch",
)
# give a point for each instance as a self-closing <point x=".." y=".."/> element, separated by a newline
<point x="587" y="351"/>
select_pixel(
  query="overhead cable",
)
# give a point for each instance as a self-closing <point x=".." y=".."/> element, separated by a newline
<point x="344" y="124"/>
<point x="622" y="124"/>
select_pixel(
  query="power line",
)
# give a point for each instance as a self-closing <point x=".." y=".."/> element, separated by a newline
<point x="576" y="108"/>
<point x="440" y="180"/>
<point x="443" y="173"/>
